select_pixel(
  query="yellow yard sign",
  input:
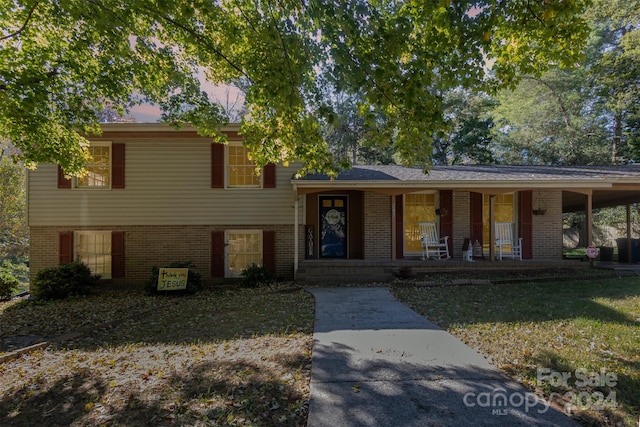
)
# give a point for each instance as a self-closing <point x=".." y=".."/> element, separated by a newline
<point x="172" y="279"/>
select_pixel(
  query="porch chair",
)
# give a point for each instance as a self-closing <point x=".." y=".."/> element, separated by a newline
<point x="432" y="245"/>
<point x="506" y="245"/>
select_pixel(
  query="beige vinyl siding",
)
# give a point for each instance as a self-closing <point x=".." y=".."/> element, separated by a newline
<point x="167" y="182"/>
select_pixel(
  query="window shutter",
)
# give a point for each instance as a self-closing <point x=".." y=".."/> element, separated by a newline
<point x="117" y="166"/>
<point x="476" y="217"/>
<point x="117" y="254"/>
<point x="217" y="254"/>
<point x="62" y="181"/>
<point x="269" y="250"/>
<point x="217" y="166"/>
<point x="526" y="223"/>
<point x="65" y="247"/>
<point x="269" y="172"/>
<point x="446" y="216"/>
<point x="399" y="227"/>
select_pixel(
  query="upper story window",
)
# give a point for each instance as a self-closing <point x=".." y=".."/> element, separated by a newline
<point x="99" y="170"/>
<point x="241" y="170"/>
<point x="106" y="169"/>
<point x="232" y="167"/>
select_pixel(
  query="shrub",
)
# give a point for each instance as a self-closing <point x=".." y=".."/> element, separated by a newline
<point x="8" y="285"/>
<point x="62" y="281"/>
<point x="255" y="275"/>
<point x="194" y="280"/>
<point x="17" y="268"/>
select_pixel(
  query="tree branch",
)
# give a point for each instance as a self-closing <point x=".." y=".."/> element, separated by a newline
<point x="24" y="25"/>
<point x="563" y="109"/>
<point x="203" y="41"/>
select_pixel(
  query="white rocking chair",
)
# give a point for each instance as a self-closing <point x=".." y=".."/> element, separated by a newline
<point x="506" y="245"/>
<point x="432" y="245"/>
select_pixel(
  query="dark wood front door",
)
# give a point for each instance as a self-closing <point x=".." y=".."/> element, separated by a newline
<point x="333" y="226"/>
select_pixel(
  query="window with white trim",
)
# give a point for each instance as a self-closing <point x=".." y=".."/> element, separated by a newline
<point x="99" y="169"/>
<point x="94" y="249"/>
<point x="418" y="207"/>
<point x="241" y="169"/>
<point x="504" y="210"/>
<point x="244" y="247"/>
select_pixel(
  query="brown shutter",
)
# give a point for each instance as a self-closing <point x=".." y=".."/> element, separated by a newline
<point x="117" y="166"/>
<point x="217" y="254"/>
<point x="526" y="223"/>
<point x="269" y="250"/>
<point x="62" y="181"/>
<point x="65" y="247"/>
<point x="269" y="180"/>
<point x="399" y="227"/>
<point x="446" y="216"/>
<point x="217" y="166"/>
<point x="476" y="217"/>
<point x="117" y="254"/>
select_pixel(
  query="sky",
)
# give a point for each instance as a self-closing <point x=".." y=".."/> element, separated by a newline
<point x="231" y="98"/>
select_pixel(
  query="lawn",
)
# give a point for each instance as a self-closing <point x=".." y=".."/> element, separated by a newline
<point x="586" y="332"/>
<point x="231" y="356"/>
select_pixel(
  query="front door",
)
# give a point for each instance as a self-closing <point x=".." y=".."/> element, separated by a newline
<point x="333" y="226"/>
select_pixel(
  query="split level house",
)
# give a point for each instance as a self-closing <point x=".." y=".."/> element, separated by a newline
<point x="154" y="195"/>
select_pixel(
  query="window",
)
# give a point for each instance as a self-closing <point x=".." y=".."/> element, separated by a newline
<point x="244" y="247"/>
<point x="503" y="211"/>
<point x="99" y="169"/>
<point x="94" y="249"/>
<point x="241" y="170"/>
<point x="418" y="207"/>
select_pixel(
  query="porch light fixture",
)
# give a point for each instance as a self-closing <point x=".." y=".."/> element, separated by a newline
<point x="542" y="207"/>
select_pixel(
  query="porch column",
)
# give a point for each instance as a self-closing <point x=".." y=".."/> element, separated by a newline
<point x="492" y="228"/>
<point x="295" y="235"/>
<point x="628" y="233"/>
<point x="393" y="228"/>
<point x="589" y="213"/>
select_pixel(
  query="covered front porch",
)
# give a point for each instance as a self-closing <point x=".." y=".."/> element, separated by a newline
<point x="370" y="214"/>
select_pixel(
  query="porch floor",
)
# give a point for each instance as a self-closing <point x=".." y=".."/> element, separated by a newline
<point x="340" y="271"/>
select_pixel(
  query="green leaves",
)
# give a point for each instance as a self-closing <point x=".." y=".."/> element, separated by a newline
<point x="61" y="63"/>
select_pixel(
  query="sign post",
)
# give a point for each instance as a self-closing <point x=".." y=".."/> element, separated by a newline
<point x="172" y="279"/>
<point x="592" y="252"/>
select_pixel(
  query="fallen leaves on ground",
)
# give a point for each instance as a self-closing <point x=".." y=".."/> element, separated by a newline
<point x="232" y="356"/>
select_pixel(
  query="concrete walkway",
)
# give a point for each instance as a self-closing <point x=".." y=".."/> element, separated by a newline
<point x="376" y="362"/>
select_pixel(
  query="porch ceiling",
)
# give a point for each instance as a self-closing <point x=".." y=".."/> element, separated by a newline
<point x="575" y="202"/>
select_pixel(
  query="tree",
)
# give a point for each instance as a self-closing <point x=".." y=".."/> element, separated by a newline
<point x="14" y="234"/>
<point x="547" y="120"/>
<point x="348" y="136"/>
<point x="614" y="65"/>
<point x="62" y="61"/>
<point x="468" y="135"/>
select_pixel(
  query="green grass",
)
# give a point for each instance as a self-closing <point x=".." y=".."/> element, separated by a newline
<point x="565" y="326"/>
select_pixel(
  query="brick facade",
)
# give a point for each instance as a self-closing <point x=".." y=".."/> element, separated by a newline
<point x="547" y="228"/>
<point x="377" y="226"/>
<point x="154" y="245"/>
